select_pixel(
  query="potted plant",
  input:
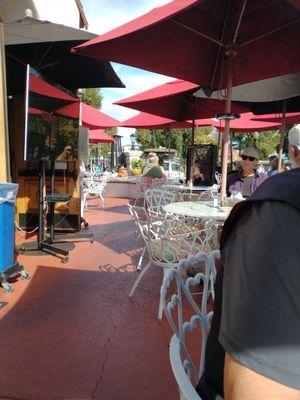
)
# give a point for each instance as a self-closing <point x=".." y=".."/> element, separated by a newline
<point x="136" y="167"/>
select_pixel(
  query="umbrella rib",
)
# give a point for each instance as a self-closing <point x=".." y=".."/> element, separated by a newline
<point x="16" y="59"/>
<point x="239" y="21"/>
<point x="45" y="55"/>
<point x="219" y="49"/>
<point x="213" y="40"/>
<point x="271" y="31"/>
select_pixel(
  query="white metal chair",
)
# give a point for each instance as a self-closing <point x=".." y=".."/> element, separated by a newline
<point x="145" y="183"/>
<point x="94" y="185"/>
<point x="155" y="199"/>
<point x="211" y="270"/>
<point x="167" y="244"/>
<point x="184" y="367"/>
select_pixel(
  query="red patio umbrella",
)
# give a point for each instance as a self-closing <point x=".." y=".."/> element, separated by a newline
<point x="290" y="118"/>
<point x="189" y="39"/>
<point x="175" y="100"/>
<point x="90" y="116"/>
<point x="215" y="43"/>
<point x="99" y="136"/>
<point x="150" y="121"/>
<point x="246" y="123"/>
<point x="41" y="87"/>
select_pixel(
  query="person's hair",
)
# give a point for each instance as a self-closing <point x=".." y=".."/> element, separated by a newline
<point x="152" y="158"/>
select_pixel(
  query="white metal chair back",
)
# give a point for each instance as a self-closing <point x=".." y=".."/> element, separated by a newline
<point x="94" y="184"/>
<point x="155" y="199"/>
<point x="211" y="270"/>
<point x="185" y="370"/>
<point x="181" y="372"/>
<point x="148" y="182"/>
<point x="176" y="319"/>
<point x="167" y="246"/>
<point x="218" y="177"/>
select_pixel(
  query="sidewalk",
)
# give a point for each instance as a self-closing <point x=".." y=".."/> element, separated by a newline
<point x="71" y="332"/>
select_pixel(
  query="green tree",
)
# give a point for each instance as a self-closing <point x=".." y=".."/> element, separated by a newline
<point x="267" y="142"/>
<point x="93" y="97"/>
<point x="180" y="138"/>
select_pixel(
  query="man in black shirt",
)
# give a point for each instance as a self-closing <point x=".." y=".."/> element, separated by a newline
<point x="253" y="349"/>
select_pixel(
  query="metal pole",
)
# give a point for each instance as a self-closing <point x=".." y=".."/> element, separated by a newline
<point x="4" y="137"/>
<point x="192" y="148"/>
<point x="282" y="135"/>
<point x="226" y="133"/>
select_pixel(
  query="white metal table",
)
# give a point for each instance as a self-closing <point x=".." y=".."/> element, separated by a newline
<point x="203" y="210"/>
<point x="198" y="209"/>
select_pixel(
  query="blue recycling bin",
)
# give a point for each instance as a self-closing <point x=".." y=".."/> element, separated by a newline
<point x="8" y="193"/>
<point x="8" y="266"/>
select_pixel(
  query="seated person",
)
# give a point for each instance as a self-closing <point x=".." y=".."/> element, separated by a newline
<point x="153" y="169"/>
<point x="198" y="177"/>
<point x="246" y="180"/>
<point x="66" y="154"/>
<point x="273" y="170"/>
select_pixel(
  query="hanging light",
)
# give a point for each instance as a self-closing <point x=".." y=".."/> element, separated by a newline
<point x="222" y="116"/>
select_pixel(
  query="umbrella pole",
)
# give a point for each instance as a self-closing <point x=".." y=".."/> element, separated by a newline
<point x="282" y="135"/>
<point x="226" y="134"/>
<point x="169" y="144"/>
<point x="231" y="152"/>
<point x="192" y="152"/>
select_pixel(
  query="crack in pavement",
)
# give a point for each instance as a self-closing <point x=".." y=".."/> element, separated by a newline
<point x="99" y="381"/>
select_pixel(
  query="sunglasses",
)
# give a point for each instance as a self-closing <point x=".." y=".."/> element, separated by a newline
<point x="244" y="158"/>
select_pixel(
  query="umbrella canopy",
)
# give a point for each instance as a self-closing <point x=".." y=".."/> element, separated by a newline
<point x="264" y="96"/>
<point x="90" y="116"/>
<point x="290" y="118"/>
<point x="99" y="136"/>
<point x="175" y="100"/>
<point x="150" y="121"/>
<point x="190" y="39"/>
<point x="46" y="47"/>
<point x="244" y="124"/>
<point x="46" y="98"/>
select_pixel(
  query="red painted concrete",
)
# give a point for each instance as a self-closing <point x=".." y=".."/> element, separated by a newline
<point x="71" y="332"/>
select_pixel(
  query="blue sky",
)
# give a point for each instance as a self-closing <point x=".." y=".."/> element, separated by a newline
<point x="103" y="16"/>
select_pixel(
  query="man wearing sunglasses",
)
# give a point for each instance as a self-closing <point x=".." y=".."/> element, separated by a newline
<point x="246" y="180"/>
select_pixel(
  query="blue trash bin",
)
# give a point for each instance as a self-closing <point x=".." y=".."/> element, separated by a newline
<point x="8" y="266"/>
<point x="8" y="193"/>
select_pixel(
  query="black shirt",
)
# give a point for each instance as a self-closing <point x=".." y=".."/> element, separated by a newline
<point x="257" y="304"/>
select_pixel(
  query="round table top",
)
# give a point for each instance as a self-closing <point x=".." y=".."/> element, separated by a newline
<point x="192" y="188"/>
<point x="198" y="209"/>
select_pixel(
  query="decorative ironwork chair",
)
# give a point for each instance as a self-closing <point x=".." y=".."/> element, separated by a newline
<point x="168" y="242"/>
<point x="185" y="369"/>
<point x="155" y="199"/>
<point x="94" y="185"/>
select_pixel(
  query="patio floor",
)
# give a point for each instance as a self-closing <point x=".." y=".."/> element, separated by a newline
<point x="71" y="332"/>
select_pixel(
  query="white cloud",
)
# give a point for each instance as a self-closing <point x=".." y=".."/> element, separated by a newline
<point x="104" y="15"/>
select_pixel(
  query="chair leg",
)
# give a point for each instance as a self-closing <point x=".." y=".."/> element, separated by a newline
<point x="139" y="266"/>
<point x="160" y="307"/>
<point x="144" y="270"/>
<point x="103" y="201"/>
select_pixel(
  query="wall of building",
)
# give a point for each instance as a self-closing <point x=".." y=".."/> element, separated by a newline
<point x="61" y="12"/>
<point x="12" y="10"/>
